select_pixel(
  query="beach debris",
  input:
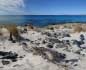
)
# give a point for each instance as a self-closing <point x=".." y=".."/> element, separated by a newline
<point x="9" y="55"/>
<point x="5" y="62"/>
<point x="53" y="47"/>
<point x="50" y="55"/>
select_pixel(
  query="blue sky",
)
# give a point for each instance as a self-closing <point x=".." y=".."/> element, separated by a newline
<point x="56" y="7"/>
<point x="43" y="7"/>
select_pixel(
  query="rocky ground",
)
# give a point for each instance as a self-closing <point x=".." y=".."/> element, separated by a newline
<point x="44" y="49"/>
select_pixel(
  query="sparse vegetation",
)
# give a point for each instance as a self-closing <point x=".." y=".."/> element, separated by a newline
<point x="13" y="31"/>
<point x="78" y="28"/>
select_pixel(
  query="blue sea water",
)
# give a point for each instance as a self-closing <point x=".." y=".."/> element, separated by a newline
<point x="41" y="20"/>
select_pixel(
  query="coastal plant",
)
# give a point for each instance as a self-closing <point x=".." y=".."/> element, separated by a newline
<point x="51" y="28"/>
<point x="78" y="28"/>
<point x="84" y="27"/>
<point x="69" y="26"/>
<point x="0" y="31"/>
<point x="13" y="31"/>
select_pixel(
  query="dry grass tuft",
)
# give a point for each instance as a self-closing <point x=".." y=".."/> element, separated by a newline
<point x="80" y="28"/>
<point x="13" y="30"/>
<point x="69" y="26"/>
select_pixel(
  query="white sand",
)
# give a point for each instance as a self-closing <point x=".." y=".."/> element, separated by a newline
<point x="36" y="62"/>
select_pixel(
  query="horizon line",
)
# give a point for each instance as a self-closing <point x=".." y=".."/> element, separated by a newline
<point x="45" y="15"/>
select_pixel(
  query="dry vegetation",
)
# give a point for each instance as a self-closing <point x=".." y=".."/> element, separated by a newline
<point x="77" y="27"/>
<point x="12" y="29"/>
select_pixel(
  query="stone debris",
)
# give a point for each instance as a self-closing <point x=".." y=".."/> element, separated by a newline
<point x="44" y="50"/>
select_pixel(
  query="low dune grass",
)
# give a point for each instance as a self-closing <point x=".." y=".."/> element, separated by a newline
<point x="76" y="27"/>
<point x="80" y="28"/>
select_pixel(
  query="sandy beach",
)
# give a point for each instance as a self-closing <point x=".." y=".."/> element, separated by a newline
<point x="57" y="47"/>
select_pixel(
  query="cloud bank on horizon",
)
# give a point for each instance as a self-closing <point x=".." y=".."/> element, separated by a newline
<point x="12" y="7"/>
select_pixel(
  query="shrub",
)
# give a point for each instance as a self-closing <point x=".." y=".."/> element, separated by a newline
<point x="13" y="31"/>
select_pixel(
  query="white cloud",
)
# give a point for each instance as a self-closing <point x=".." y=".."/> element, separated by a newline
<point x="12" y="6"/>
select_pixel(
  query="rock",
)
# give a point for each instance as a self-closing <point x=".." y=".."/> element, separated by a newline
<point x="47" y="33"/>
<point x="78" y="43"/>
<point x="66" y="61"/>
<point x="68" y="42"/>
<point x="31" y="41"/>
<point x="5" y="62"/>
<point x="14" y="60"/>
<point x="21" y="57"/>
<point x="53" y="40"/>
<point x="51" y="28"/>
<point x="50" y="46"/>
<point x="24" y="44"/>
<point x="27" y="39"/>
<point x="8" y="55"/>
<point x="66" y="35"/>
<point x="82" y="37"/>
<point x="55" y="35"/>
<point x="48" y="56"/>
<point x="57" y="57"/>
<point x="78" y="52"/>
<point x="25" y="30"/>
<point x="37" y="43"/>
<point x="44" y="42"/>
<point x="59" y="45"/>
<point x="71" y="60"/>
<point x="75" y="64"/>
<point x="26" y="48"/>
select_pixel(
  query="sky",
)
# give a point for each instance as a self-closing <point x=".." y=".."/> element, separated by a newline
<point x="42" y="7"/>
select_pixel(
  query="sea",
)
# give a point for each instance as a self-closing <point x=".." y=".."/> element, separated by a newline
<point x="41" y="20"/>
